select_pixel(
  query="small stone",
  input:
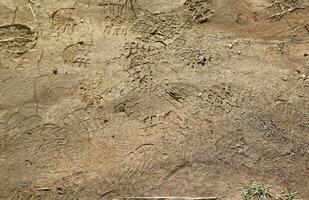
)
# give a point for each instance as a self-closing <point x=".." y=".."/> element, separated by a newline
<point x="231" y="45"/>
<point x="284" y="78"/>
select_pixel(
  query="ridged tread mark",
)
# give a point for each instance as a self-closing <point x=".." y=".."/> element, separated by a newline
<point x="17" y="38"/>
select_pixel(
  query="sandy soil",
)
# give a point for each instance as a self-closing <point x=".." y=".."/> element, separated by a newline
<point x="101" y="99"/>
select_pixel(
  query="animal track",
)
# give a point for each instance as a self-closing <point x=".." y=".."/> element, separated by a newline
<point x="64" y="20"/>
<point x="139" y="53"/>
<point x="17" y="38"/>
<point x="222" y="98"/>
<point x="118" y="11"/>
<point x="201" y="10"/>
<point x="112" y="30"/>
<point x="134" y="48"/>
<point x="77" y="54"/>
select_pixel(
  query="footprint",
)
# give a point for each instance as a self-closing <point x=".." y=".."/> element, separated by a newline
<point x="17" y="38"/>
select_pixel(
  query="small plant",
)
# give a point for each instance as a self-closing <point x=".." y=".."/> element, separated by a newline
<point x="288" y="195"/>
<point x="252" y="190"/>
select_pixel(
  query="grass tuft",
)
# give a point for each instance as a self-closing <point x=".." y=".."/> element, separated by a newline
<point x="252" y="190"/>
<point x="288" y="195"/>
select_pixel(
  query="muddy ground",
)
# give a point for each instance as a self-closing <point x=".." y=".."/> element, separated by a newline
<point x="101" y="99"/>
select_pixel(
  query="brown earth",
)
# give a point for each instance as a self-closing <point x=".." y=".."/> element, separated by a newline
<point x="152" y="98"/>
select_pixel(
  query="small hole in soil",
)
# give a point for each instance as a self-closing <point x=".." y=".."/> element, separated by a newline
<point x="28" y="163"/>
<point x="55" y="71"/>
<point x="306" y="54"/>
<point x="60" y="191"/>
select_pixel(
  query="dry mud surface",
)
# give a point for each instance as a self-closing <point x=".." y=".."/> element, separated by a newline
<point x="101" y="99"/>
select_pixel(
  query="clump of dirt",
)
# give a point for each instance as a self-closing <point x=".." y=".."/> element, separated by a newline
<point x="123" y="98"/>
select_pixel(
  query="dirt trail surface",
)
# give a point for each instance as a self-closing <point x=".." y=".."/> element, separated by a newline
<point x="104" y="99"/>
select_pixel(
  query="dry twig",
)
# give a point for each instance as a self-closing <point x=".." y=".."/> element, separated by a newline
<point x="285" y="6"/>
